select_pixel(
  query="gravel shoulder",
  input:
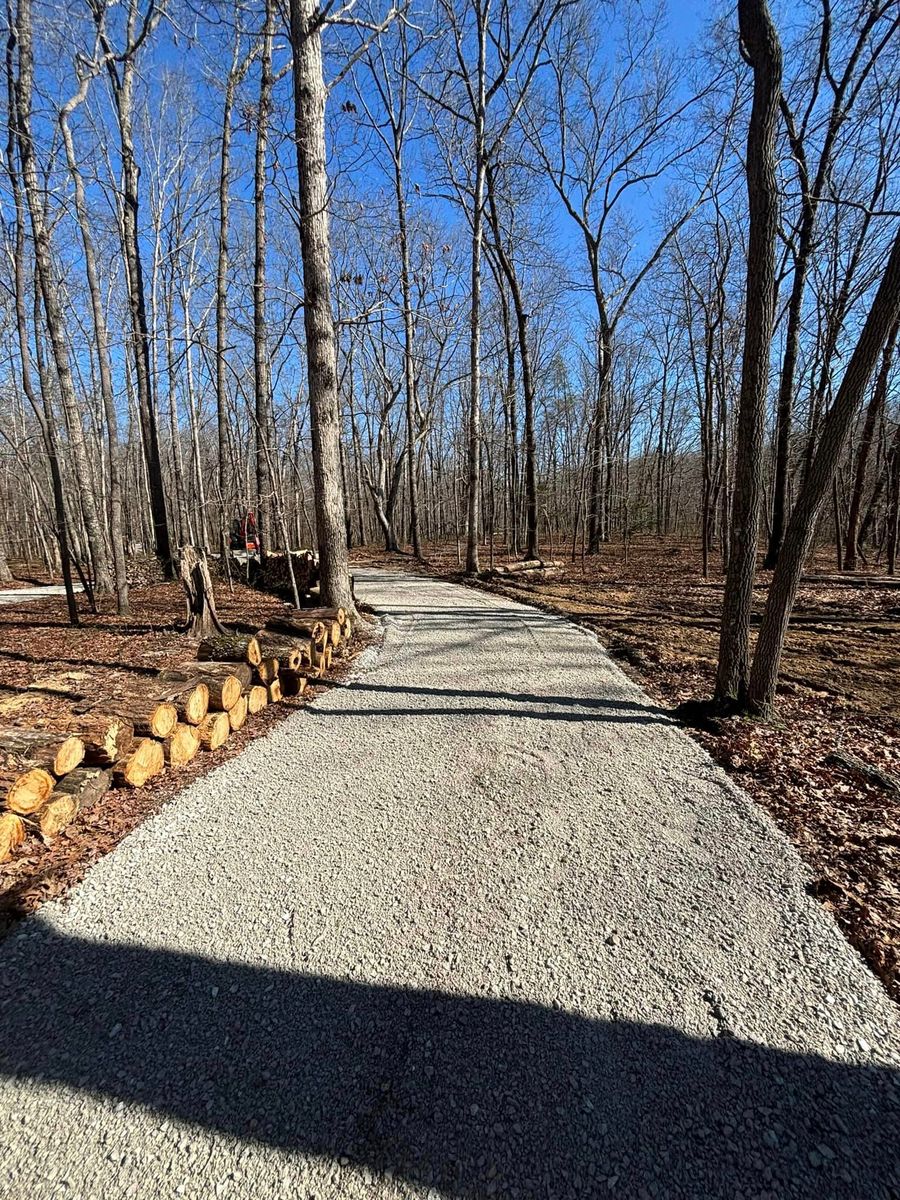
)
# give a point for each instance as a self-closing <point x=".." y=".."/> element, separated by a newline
<point x="481" y="922"/>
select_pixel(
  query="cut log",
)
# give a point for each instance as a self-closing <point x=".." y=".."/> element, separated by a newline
<point x="57" y="753"/>
<point x="26" y="791"/>
<point x="192" y="704"/>
<point x="181" y="745"/>
<point x="144" y="762"/>
<point x="230" y="647"/>
<point x="149" y="717"/>
<point x="225" y="681"/>
<point x="214" y="730"/>
<point x="86" y="784"/>
<point x="273" y="690"/>
<point x="106" y="738"/>
<point x="287" y="651"/>
<point x="267" y="670"/>
<point x="12" y="834"/>
<point x="257" y="699"/>
<point x="59" y="811"/>
<point x="292" y="683"/>
<point x="237" y="715"/>
<point x="320" y="657"/>
<point x="296" y="625"/>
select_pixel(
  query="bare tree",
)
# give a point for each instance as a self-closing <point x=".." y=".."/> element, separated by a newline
<point x="120" y="68"/>
<point x="761" y="47"/>
<point x="883" y="315"/>
<point x="310" y="95"/>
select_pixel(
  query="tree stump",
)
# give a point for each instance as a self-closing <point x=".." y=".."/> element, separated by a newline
<point x="193" y="571"/>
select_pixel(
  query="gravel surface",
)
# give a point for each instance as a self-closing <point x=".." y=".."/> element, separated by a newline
<point x="482" y="922"/>
<point x="27" y="595"/>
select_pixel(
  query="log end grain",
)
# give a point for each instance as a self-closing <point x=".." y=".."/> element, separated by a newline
<point x="237" y="714"/>
<point x="214" y="730"/>
<point x="144" y="762"/>
<point x="27" y="791"/>
<point x="12" y="834"/>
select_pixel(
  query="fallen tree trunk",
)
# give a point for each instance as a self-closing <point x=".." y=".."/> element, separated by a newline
<point x="144" y="762"/>
<point x="267" y="670"/>
<point x="230" y="647"/>
<point x="192" y="704"/>
<point x="106" y="738"/>
<point x="288" y="653"/>
<point x="149" y="717"/>
<point x="57" y="753"/>
<point x="225" y="681"/>
<point x="859" y="766"/>
<point x="257" y="699"/>
<point x="86" y="784"/>
<point x="273" y="690"/>
<point x="298" y="625"/>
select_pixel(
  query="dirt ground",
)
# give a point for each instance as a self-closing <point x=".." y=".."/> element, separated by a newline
<point x="839" y="693"/>
<point x="48" y="668"/>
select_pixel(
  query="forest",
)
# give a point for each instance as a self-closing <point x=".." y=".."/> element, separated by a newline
<point x="530" y="279"/>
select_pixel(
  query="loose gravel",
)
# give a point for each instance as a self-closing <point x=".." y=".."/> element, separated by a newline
<point x="482" y="922"/>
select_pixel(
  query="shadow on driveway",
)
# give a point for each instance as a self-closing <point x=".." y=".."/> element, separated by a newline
<point x="461" y="1093"/>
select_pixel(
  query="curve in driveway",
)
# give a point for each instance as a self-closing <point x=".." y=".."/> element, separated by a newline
<point x="482" y="922"/>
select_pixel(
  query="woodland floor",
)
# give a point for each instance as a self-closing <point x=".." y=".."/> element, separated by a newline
<point x="839" y="692"/>
<point x="47" y="668"/>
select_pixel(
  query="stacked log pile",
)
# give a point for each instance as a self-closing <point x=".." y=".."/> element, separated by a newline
<point x="274" y="573"/>
<point x="529" y="568"/>
<point x="125" y="740"/>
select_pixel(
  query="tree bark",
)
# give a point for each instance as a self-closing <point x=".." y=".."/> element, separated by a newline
<point x="104" y="368"/>
<point x="122" y="85"/>
<point x="873" y="416"/>
<point x="262" y="377"/>
<point x="315" y="248"/>
<point x="46" y="277"/>
<point x="833" y="432"/>
<point x="763" y="49"/>
<point x="42" y="410"/>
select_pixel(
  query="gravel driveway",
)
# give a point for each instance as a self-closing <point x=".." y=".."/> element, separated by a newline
<point x="481" y="923"/>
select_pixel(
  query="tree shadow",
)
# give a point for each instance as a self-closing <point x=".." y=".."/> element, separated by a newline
<point x="450" y="1091"/>
<point x="135" y="668"/>
<point x="439" y="701"/>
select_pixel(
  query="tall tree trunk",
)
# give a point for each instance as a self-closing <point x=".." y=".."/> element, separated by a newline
<point x="321" y="355"/>
<point x="104" y="368"/>
<point x="596" y="513"/>
<point x="235" y="74"/>
<point x="46" y="278"/>
<point x="43" y="411"/>
<point x="262" y="370"/>
<point x="508" y="267"/>
<point x="473" y="447"/>
<point x="763" y="49"/>
<point x="122" y="85"/>
<point x="873" y="416"/>
<point x="884" y="312"/>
